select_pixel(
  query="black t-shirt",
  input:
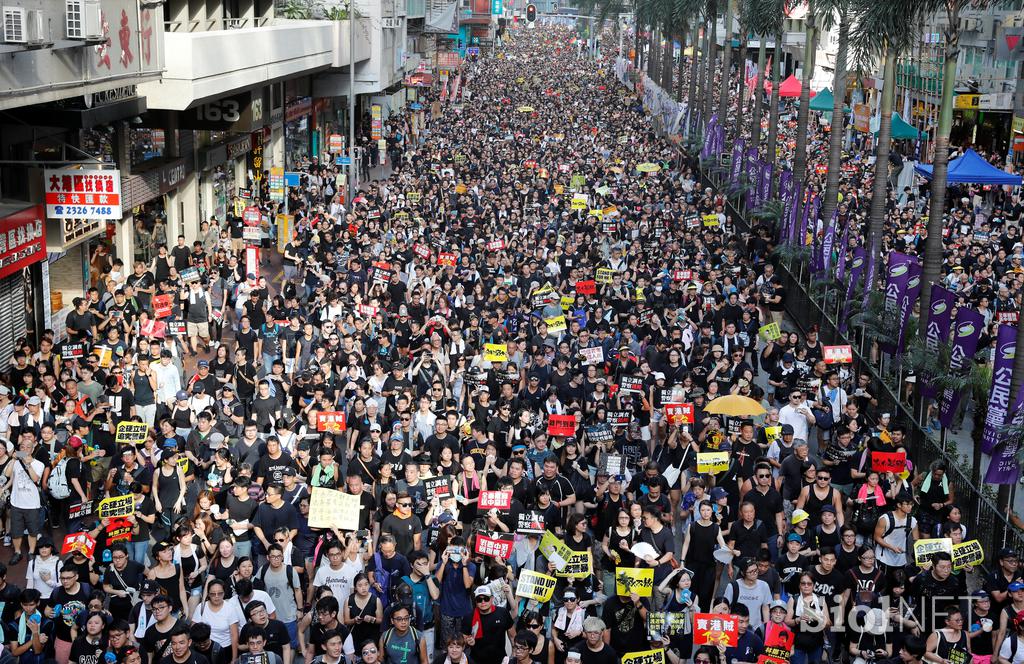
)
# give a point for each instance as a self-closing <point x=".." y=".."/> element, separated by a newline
<point x="606" y="655"/>
<point x="157" y="642"/>
<point x="193" y="658"/>
<point x="277" y="636"/>
<point x="316" y="636"/>
<point x="70" y="603"/>
<point x="489" y="632"/>
<point x="85" y="652"/>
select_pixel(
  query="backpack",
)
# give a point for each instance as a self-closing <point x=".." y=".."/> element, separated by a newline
<point x="383" y="578"/>
<point x="261" y="579"/>
<point x="57" y="483"/>
<point x="387" y="639"/>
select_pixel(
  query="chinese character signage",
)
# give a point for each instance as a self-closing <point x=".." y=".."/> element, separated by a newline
<point x="73" y="193"/>
<point x="22" y="240"/>
<point x="711" y="629"/>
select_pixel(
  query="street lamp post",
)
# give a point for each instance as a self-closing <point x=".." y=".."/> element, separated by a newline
<point x="351" y="104"/>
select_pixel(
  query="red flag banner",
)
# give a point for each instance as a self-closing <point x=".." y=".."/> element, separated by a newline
<point x="561" y="425"/>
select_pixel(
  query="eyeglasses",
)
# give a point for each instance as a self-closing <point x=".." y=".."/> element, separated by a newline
<point x="370" y="651"/>
<point x="217" y="594"/>
<point x="520" y="646"/>
<point x="68" y="578"/>
<point x="807" y="583"/>
<point x="400" y="618"/>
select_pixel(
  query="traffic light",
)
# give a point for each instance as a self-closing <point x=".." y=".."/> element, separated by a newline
<point x="531" y="13"/>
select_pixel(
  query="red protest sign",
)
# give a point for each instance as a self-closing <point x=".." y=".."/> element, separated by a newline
<point x="78" y="542"/>
<point x="501" y="500"/>
<point x="495" y="245"/>
<point x="162" y="305"/>
<point x="447" y="258"/>
<point x="156" y="329"/>
<point x="330" y="420"/>
<point x="778" y="644"/>
<point x="118" y="530"/>
<point x="588" y="287"/>
<point x="496" y="547"/>
<point x="837" y="354"/>
<point x="251" y="216"/>
<point x="561" y="425"/>
<point x="711" y="629"/>
<point x="682" y="275"/>
<point x="679" y="413"/>
<point x="421" y="250"/>
<point x="889" y="462"/>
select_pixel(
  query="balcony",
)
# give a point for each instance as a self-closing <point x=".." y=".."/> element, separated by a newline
<point x="415" y="8"/>
<point x="237" y="54"/>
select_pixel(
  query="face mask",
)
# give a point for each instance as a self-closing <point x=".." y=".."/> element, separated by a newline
<point x="455" y="557"/>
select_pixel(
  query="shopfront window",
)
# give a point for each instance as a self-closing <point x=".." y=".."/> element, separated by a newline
<point x="98" y="143"/>
<point x="296" y="141"/>
<point x="223" y="186"/>
<point x="146" y="144"/>
<point x="150" y="221"/>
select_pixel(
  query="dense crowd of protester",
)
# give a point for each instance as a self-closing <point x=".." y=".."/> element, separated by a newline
<point x="514" y="267"/>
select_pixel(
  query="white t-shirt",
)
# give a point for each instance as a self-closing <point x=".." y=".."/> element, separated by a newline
<point x="340" y="581"/>
<point x="220" y="622"/>
<point x="789" y="415"/>
<point x="1007" y="648"/>
<point x="260" y="595"/>
<point x="25" y="492"/>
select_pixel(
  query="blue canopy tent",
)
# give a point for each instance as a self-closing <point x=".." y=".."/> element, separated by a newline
<point x="971" y="168"/>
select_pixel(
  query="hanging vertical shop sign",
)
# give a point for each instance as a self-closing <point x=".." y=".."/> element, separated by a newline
<point x="254" y="162"/>
<point x="376" y="121"/>
<point x="277" y="184"/>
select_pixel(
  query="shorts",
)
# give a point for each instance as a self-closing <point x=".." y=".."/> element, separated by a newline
<point x="26" y="520"/>
<point x="201" y="330"/>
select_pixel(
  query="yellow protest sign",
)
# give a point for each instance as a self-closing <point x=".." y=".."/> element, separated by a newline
<point x="566" y="302"/>
<point x="460" y="189"/>
<point x="559" y="188"/>
<point x="579" y="565"/>
<point x="413" y="197"/>
<point x="772" y="433"/>
<point x="131" y="433"/>
<point x="496" y="352"/>
<point x="923" y="549"/>
<point x="556" y="324"/>
<point x="117" y="506"/>
<point x="239" y="207"/>
<point x="604" y="275"/>
<point x="595" y="213"/>
<point x="637" y="580"/>
<point x="555" y="550"/>
<point x="329" y="508"/>
<point x="645" y="657"/>
<point x="106" y="355"/>
<point x="710" y="220"/>
<point x="712" y="462"/>
<point x="578" y="204"/>
<point x="534" y="585"/>
<point x="770" y="332"/>
<point x="968" y="554"/>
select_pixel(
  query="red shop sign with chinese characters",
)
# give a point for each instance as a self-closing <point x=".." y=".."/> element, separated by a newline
<point x="22" y="239"/>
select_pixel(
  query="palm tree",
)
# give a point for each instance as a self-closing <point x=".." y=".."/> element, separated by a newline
<point x="726" y="87"/>
<point x="758" y="93"/>
<point x="691" y="94"/>
<point x="773" y="109"/>
<point x="895" y="20"/>
<point x="767" y="20"/>
<point x="709" y="91"/>
<point x="743" y="12"/>
<point x="842" y="11"/>
<point x="803" y="115"/>
<point x="931" y="270"/>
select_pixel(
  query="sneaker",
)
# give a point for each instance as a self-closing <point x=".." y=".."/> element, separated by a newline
<point x="6" y="539"/>
<point x="15" y="559"/>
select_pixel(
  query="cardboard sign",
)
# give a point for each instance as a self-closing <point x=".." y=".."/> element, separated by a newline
<point x="495" y="245"/>
<point x="439" y="487"/>
<point x="924" y="548"/>
<point x="534" y="585"/>
<point x="711" y="629"/>
<point x="712" y="462"/>
<point x="80" y="510"/>
<point x="330" y="508"/>
<point x="556" y="324"/>
<point x="967" y="554"/>
<point x="78" y="542"/>
<point x="588" y="287"/>
<point x="579" y="565"/>
<point x="72" y="350"/>
<point x="555" y="550"/>
<point x="330" y="420"/>
<point x="106" y="355"/>
<point x="710" y="220"/>
<point x="770" y="332"/>
<point x="117" y="506"/>
<point x="561" y="425"/>
<point x="889" y="462"/>
<point x="599" y="433"/>
<point x="131" y="433"/>
<point x="645" y="657"/>
<point x="162" y="305"/>
<point x="613" y="464"/>
<point x="837" y="354"/>
<point x="496" y="352"/>
<point x="495" y="546"/>
<point x="176" y="328"/>
<point x="447" y="258"/>
<point x="604" y="275"/>
<point x="592" y="356"/>
<point x="679" y="413"/>
<point x="530" y="523"/>
<point x="639" y="580"/>
<point x="190" y="274"/>
<point x="501" y="500"/>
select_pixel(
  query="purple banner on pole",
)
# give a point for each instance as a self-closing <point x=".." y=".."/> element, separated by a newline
<point x="753" y="170"/>
<point x="937" y="330"/>
<point x="794" y="209"/>
<point x="764" y="182"/>
<point x="844" y="243"/>
<point x="802" y="237"/>
<point x="856" y="268"/>
<point x="1004" y="469"/>
<point x="736" y="167"/>
<point x="966" y="332"/>
<point x="999" y="394"/>
<point x="906" y="304"/>
<point x="897" y="278"/>
<point x="829" y="240"/>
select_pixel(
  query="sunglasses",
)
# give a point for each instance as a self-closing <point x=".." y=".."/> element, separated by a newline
<point x="481" y="600"/>
<point x="405" y="504"/>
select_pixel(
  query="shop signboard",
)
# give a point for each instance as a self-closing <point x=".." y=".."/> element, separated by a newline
<point x="335" y="143"/>
<point x="376" y="121"/>
<point x="277" y="184"/>
<point x="22" y="240"/>
<point x="78" y="193"/>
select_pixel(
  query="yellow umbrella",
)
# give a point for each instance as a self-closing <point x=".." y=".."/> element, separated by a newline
<point x="734" y="405"/>
<point x="615" y="169"/>
<point x="648" y="167"/>
<point x="525" y="109"/>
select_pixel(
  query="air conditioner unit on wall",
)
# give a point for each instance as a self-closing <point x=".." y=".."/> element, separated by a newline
<point x="14" y="25"/>
<point x="82" y="19"/>
<point x="35" y="28"/>
<point x="391" y="23"/>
